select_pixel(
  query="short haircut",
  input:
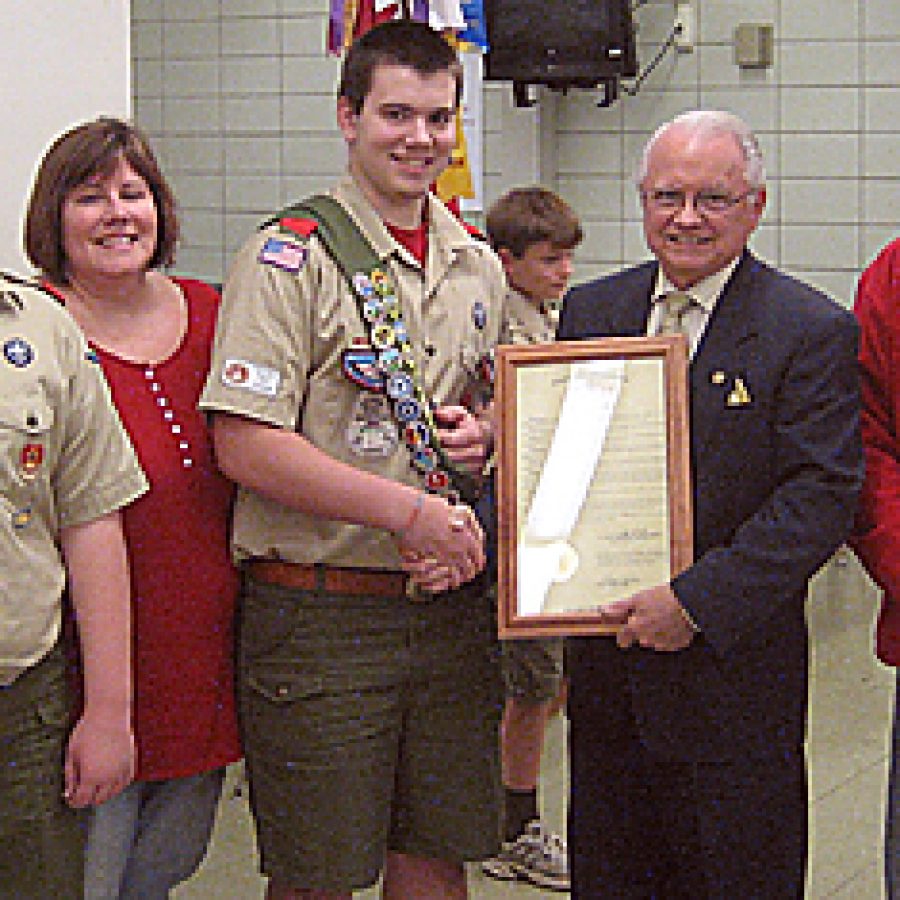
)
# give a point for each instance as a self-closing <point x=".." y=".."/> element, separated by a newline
<point x="398" y="42"/>
<point x="526" y="216"/>
<point x="89" y="149"/>
<point x="708" y="123"/>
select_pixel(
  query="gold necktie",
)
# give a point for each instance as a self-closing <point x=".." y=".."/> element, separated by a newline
<point x="675" y="309"/>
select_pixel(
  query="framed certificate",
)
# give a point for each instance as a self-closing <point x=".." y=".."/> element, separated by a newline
<point x="593" y="478"/>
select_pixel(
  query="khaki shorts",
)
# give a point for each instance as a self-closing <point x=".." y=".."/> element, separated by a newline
<point x="533" y="669"/>
<point x="41" y="839"/>
<point x="370" y="725"/>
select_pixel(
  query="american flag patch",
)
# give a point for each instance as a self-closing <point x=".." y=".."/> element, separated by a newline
<point x="283" y="254"/>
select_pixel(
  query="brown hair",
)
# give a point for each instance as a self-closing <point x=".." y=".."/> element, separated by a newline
<point x="86" y="150"/>
<point x="526" y="216"/>
<point x="398" y="42"/>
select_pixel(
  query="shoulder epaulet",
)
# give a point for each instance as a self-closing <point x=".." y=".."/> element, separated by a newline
<point x="302" y="227"/>
<point x="8" y="279"/>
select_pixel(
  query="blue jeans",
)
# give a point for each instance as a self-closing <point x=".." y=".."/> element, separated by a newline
<point x="892" y="825"/>
<point x="151" y="837"/>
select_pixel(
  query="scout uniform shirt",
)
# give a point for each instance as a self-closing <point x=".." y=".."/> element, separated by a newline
<point x="64" y="460"/>
<point x="529" y="322"/>
<point x="291" y="350"/>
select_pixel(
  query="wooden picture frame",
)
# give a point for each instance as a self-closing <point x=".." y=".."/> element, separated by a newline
<point x="593" y="478"/>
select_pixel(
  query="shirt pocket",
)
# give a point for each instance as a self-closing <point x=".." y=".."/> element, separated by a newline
<point x="26" y="423"/>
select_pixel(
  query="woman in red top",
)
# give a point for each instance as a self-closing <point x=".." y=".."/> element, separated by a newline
<point x="100" y="220"/>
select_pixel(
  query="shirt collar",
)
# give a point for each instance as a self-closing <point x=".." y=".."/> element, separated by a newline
<point x="445" y="233"/>
<point x="535" y="317"/>
<point x="706" y="292"/>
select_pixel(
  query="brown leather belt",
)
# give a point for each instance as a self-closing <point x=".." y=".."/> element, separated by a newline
<point x="329" y="579"/>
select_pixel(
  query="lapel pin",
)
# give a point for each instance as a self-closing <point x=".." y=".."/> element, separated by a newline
<point x="738" y="395"/>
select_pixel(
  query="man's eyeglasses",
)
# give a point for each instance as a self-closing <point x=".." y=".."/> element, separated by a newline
<point x="706" y="202"/>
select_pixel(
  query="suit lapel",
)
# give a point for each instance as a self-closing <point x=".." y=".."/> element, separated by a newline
<point x="731" y="326"/>
<point x="631" y="318"/>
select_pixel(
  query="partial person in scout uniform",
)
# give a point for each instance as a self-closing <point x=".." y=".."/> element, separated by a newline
<point x="534" y="233"/>
<point x="66" y="468"/>
<point x="369" y="675"/>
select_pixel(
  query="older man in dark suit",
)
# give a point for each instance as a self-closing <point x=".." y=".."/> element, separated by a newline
<point x="687" y="730"/>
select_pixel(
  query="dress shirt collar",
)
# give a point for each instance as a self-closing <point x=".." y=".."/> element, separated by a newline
<point x="705" y="293"/>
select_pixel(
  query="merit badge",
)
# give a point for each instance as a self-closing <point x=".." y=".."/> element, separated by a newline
<point x="360" y="365"/>
<point x="424" y="458"/>
<point x="91" y="356"/>
<point x="372" y="431"/>
<point x="283" y="254"/>
<point x="416" y="434"/>
<point x="239" y="373"/>
<point x="437" y="479"/>
<point x="363" y="285"/>
<point x="383" y="336"/>
<point x="479" y="315"/>
<point x="399" y="386"/>
<point x="391" y="306"/>
<point x="373" y="309"/>
<point x="31" y="459"/>
<point x="21" y="517"/>
<point x="408" y="410"/>
<point x="389" y="360"/>
<point x="18" y="352"/>
<point x="380" y="282"/>
<point x="400" y="333"/>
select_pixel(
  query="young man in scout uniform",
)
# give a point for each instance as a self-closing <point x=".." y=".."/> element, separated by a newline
<point x="66" y="467"/>
<point x="534" y="233"/>
<point x="369" y="668"/>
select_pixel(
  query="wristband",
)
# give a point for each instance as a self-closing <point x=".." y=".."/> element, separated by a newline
<point x="413" y="515"/>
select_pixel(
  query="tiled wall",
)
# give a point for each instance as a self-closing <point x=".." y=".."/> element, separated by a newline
<point x="237" y="96"/>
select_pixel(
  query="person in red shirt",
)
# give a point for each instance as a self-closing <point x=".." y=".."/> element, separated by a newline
<point x="101" y="219"/>
<point x="877" y="537"/>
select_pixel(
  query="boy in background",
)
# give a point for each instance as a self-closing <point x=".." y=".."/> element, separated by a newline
<point x="534" y="233"/>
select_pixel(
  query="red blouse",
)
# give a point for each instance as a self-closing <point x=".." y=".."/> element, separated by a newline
<point x="877" y="538"/>
<point x="183" y="583"/>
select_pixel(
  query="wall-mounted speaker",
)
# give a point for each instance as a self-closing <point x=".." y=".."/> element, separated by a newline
<point x="560" y="43"/>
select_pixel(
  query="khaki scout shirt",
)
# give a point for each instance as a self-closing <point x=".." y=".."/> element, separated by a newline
<point x="527" y="322"/>
<point x="288" y="329"/>
<point x="64" y="460"/>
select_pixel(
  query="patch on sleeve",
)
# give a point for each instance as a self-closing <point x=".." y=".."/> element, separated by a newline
<point x="240" y="373"/>
<point x="283" y="254"/>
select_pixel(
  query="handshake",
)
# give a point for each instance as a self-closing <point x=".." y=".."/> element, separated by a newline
<point x="442" y="545"/>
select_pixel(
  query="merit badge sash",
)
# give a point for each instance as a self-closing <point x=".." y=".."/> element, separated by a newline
<point x="388" y="364"/>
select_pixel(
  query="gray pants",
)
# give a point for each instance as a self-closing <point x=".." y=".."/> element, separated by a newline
<point x="151" y="837"/>
<point x="892" y="825"/>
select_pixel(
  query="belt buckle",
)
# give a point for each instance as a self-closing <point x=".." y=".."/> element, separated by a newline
<point x="414" y="593"/>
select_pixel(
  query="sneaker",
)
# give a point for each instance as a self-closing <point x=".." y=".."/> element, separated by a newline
<point x="537" y="856"/>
